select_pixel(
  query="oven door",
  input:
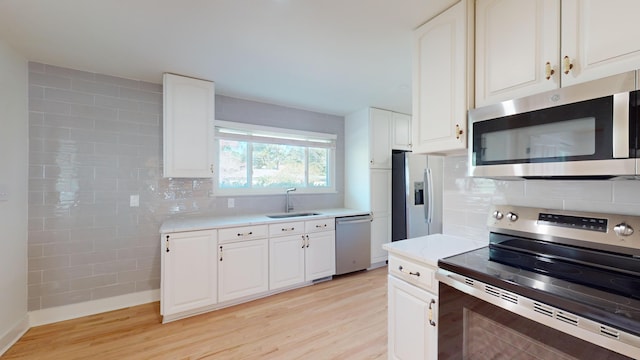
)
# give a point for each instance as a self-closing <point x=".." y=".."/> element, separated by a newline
<point x="564" y="132"/>
<point x="471" y="328"/>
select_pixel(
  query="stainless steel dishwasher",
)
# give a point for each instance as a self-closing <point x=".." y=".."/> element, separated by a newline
<point x="353" y="243"/>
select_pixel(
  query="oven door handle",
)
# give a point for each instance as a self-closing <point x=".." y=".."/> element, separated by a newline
<point x="431" y="322"/>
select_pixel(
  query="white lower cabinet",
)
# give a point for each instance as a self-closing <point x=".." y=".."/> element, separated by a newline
<point x="320" y="255"/>
<point x="294" y="259"/>
<point x="189" y="271"/>
<point x="411" y="335"/>
<point x="243" y="269"/>
<point x="209" y="269"/>
<point x="286" y="267"/>
<point x="412" y="310"/>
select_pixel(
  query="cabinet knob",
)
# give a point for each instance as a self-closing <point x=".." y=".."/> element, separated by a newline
<point x="548" y="71"/>
<point x="459" y="131"/>
<point x="566" y="64"/>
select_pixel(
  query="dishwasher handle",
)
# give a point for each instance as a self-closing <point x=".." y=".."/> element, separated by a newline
<point x="353" y="220"/>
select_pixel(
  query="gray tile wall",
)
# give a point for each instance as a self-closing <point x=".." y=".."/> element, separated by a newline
<point x="467" y="200"/>
<point x="94" y="141"/>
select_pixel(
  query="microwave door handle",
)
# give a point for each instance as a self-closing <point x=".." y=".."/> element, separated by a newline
<point x="621" y="126"/>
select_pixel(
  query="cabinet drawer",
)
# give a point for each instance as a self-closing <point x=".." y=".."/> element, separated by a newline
<point x="242" y="233"/>
<point x="320" y="225"/>
<point x="420" y="275"/>
<point x="286" y="228"/>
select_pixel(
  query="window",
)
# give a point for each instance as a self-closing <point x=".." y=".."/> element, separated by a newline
<point x="256" y="159"/>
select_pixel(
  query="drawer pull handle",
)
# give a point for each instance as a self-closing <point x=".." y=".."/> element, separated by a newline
<point x="417" y="273"/>
<point x="321" y="226"/>
<point x="288" y="229"/>
<point x="245" y="234"/>
<point x="431" y="322"/>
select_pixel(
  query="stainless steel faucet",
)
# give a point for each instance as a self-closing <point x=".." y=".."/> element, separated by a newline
<point x="288" y="205"/>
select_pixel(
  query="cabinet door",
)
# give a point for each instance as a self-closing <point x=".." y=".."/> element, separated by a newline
<point x="380" y="192"/>
<point x="411" y="335"/>
<point x="380" y="138"/>
<point x="381" y="212"/>
<point x="597" y="37"/>
<point x="286" y="261"/>
<point x="380" y="235"/>
<point x="189" y="271"/>
<point x="440" y="76"/>
<point x="243" y="269"/>
<point x="514" y="42"/>
<point x="320" y="255"/>
<point x="188" y="132"/>
<point x="401" y="132"/>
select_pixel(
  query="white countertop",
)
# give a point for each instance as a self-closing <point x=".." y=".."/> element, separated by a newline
<point x="428" y="249"/>
<point x="192" y="222"/>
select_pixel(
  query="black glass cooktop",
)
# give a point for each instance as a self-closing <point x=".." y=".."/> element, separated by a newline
<point x="599" y="286"/>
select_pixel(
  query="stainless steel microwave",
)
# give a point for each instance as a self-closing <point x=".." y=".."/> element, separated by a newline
<point x="588" y="130"/>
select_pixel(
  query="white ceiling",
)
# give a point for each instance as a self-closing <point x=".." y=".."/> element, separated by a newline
<point x="331" y="56"/>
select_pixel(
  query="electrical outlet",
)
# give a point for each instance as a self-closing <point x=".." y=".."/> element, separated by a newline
<point x="231" y="202"/>
<point x="134" y="200"/>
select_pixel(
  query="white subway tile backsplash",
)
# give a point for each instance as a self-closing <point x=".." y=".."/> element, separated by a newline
<point x="113" y="290"/>
<point x="49" y="262"/>
<point x="467" y="201"/>
<point x="626" y="191"/>
<point x="66" y="298"/>
<point x="67" y="273"/>
<point x="93" y="112"/>
<point x="116" y="103"/>
<point x="36" y="92"/>
<point x="94" y="87"/>
<point x="93" y="281"/>
<point x="139" y="95"/>
<point x="557" y="189"/>
<point x="108" y="79"/>
<point x="68" y="96"/>
<point x="71" y="73"/>
<point x="48" y="106"/>
<point x="50" y="80"/>
<point x="138" y="117"/>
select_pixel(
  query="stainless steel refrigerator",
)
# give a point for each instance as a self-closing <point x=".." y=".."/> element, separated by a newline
<point x="416" y="195"/>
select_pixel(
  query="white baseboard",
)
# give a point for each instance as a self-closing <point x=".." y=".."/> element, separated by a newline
<point x="14" y="334"/>
<point x="73" y="311"/>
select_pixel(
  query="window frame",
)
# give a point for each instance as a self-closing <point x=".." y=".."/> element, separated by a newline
<point x="261" y="134"/>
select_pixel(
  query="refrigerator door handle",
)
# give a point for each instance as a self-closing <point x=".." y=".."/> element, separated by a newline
<point x="428" y="203"/>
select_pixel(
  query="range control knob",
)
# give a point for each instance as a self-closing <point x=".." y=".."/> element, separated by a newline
<point x="512" y="216"/>
<point x="623" y="229"/>
<point x="497" y="215"/>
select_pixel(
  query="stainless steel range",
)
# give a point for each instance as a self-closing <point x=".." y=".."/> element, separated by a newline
<point x="552" y="284"/>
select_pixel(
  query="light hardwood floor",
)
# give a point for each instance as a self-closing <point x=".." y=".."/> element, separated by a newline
<point x="345" y="318"/>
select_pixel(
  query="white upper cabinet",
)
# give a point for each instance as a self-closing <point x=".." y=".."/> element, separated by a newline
<point x="514" y="42"/>
<point x="380" y="138"/>
<point x="597" y="38"/>
<point x="401" y="132"/>
<point x="527" y="47"/>
<point x="442" y="81"/>
<point x="188" y="127"/>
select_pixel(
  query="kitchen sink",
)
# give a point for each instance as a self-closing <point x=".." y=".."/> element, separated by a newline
<point x="291" y="215"/>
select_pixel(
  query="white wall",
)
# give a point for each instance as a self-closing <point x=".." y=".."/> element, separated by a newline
<point x="14" y="159"/>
